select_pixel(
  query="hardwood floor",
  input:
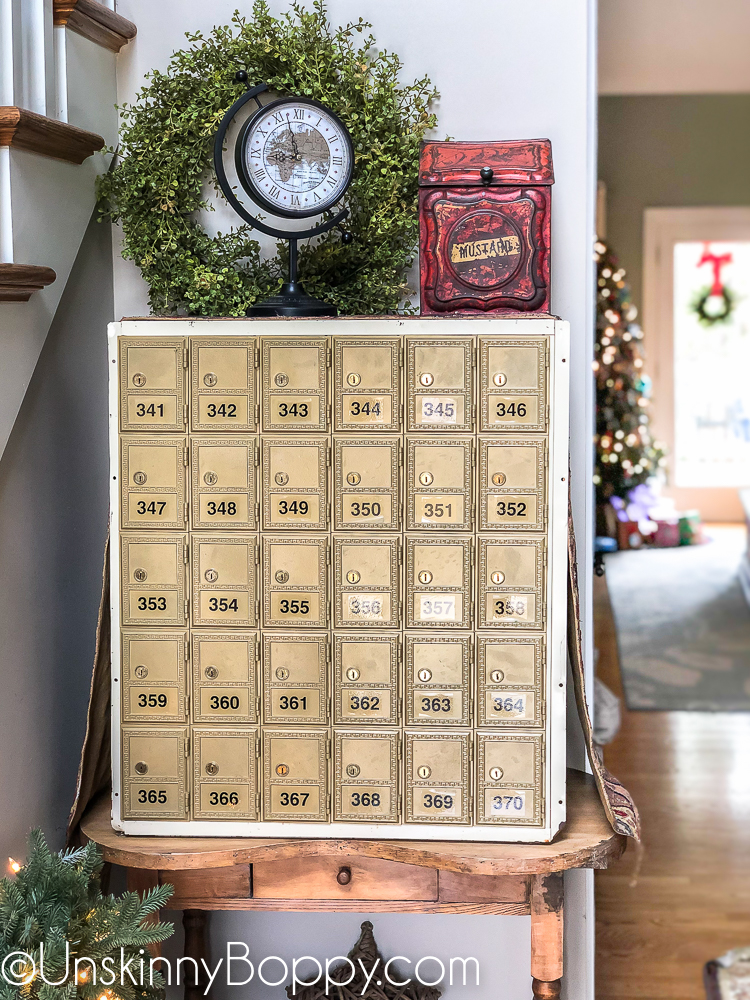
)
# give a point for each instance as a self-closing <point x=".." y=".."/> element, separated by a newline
<point x="685" y="899"/>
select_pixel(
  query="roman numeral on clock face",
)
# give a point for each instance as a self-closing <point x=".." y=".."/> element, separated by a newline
<point x="299" y="114"/>
<point x="260" y="174"/>
<point x="337" y="161"/>
<point x="274" y="192"/>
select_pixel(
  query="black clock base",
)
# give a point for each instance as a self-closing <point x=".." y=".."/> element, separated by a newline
<point x="292" y="300"/>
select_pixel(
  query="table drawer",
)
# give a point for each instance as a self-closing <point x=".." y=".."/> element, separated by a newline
<point x="322" y="878"/>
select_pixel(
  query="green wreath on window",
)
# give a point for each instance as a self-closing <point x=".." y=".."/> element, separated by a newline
<point x="164" y="160"/>
<point x="712" y="309"/>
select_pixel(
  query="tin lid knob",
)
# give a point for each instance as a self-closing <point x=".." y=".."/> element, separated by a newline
<point x="486" y="173"/>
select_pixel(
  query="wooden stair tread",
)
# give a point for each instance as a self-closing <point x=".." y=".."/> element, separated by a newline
<point x="94" y="21"/>
<point x="18" y="281"/>
<point x="22" y="129"/>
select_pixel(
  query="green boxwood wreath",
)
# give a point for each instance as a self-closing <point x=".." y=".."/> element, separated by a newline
<point x="165" y="155"/>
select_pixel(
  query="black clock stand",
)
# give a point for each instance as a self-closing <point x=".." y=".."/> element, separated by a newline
<point x="291" y="299"/>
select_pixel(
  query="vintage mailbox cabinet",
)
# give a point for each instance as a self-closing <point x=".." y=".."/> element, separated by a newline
<point x="339" y="577"/>
<point x="484" y="227"/>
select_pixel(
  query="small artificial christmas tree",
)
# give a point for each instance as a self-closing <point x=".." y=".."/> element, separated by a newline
<point x="54" y="908"/>
<point x="626" y="456"/>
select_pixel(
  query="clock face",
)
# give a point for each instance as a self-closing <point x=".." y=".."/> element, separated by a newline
<point x="295" y="157"/>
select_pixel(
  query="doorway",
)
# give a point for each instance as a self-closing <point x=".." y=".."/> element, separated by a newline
<point x="701" y="407"/>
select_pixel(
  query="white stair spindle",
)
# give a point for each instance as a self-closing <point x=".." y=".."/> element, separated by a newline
<point x="6" y="52"/>
<point x="36" y="57"/>
<point x="6" y="219"/>
<point x="61" y="73"/>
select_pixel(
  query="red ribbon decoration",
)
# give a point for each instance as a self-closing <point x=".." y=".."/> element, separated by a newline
<point x="716" y="263"/>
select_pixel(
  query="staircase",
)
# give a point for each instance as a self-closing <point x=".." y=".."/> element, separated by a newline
<point x="57" y="109"/>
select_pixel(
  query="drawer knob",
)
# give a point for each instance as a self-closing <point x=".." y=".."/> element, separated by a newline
<point x="486" y="173"/>
<point x="344" y="876"/>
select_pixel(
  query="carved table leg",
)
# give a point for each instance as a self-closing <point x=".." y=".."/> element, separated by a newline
<point x="547" y="935"/>
<point x="195" y="923"/>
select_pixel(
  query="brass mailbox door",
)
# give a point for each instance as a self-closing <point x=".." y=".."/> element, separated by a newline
<point x="153" y="575"/>
<point x="225" y="688"/>
<point x="154" y="773"/>
<point x="222" y="379"/>
<point x="513" y="383"/>
<point x="438" y="780"/>
<point x="365" y="777"/>
<point x="225" y="784"/>
<point x="294" y="582"/>
<point x="365" y="582"/>
<point x="511" y="582"/>
<point x="295" y="775"/>
<point x="224" y="568"/>
<point x="438" y="483"/>
<point x="440" y="388"/>
<point x="152" y="384"/>
<point x="295" y="679"/>
<point x="438" y="678"/>
<point x="438" y="582"/>
<point x="509" y="779"/>
<point x="153" y="676"/>
<point x="152" y="483"/>
<point x="510" y="688"/>
<point x="512" y="484"/>
<point x="366" y="383"/>
<point x="365" y="679"/>
<point x="366" y="483"/>
<point x="295" y="481"/>
<point x="223" y="481"/>
<point x="294" y="381"/>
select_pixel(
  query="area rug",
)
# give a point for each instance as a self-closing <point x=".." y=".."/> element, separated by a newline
<point x="683" y="625"/>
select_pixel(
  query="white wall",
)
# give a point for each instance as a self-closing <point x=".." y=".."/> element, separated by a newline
<point x="505" y="72"/>
<point x="674" y="46"/>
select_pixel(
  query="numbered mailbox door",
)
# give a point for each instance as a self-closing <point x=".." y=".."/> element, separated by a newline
<point x="294" y="384"/>
<point x="154" y="676"/>
<point x="295" y="477"/>
<point x="224" y="570"/>
<point x="440" y="384"/>
<point x="509" y="779"/>
<point x="225" y="784"/>
<point x="295" y="785"/>
<point x="438" y="581"/>
<point x="438" y="778"/>
<point x="366" y="777"/>
<point x="224" y="677"/>
<point x="438" y="674"/>
<point x="510" y="691"/>
<point x="295" y="669"/>
<point x="223" y="479"/>
<point x="511" y="582"/>
<point x="152" y="482"/>
<point x="513" y="383"/>
<point x="366" y="374"/>
<point x="366" y="575"/>
<point x="152" y="384"/>
<point x="294" y="582"/>
<point x="222" y="377"/>
<point x="153" y="579"/>
<point x="366" y="483"/>
<point x="154" y="773"/>
<point x="438" y="484"/>
<point x="365" y="677"/>
<point x="512" y="477"/>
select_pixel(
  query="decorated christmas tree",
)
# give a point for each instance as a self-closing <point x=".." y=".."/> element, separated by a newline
<point x="61" y="939"/>
<point x="626" y="455"/>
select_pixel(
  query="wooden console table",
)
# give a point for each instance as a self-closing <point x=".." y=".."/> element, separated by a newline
<point x="405" y="876"/>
